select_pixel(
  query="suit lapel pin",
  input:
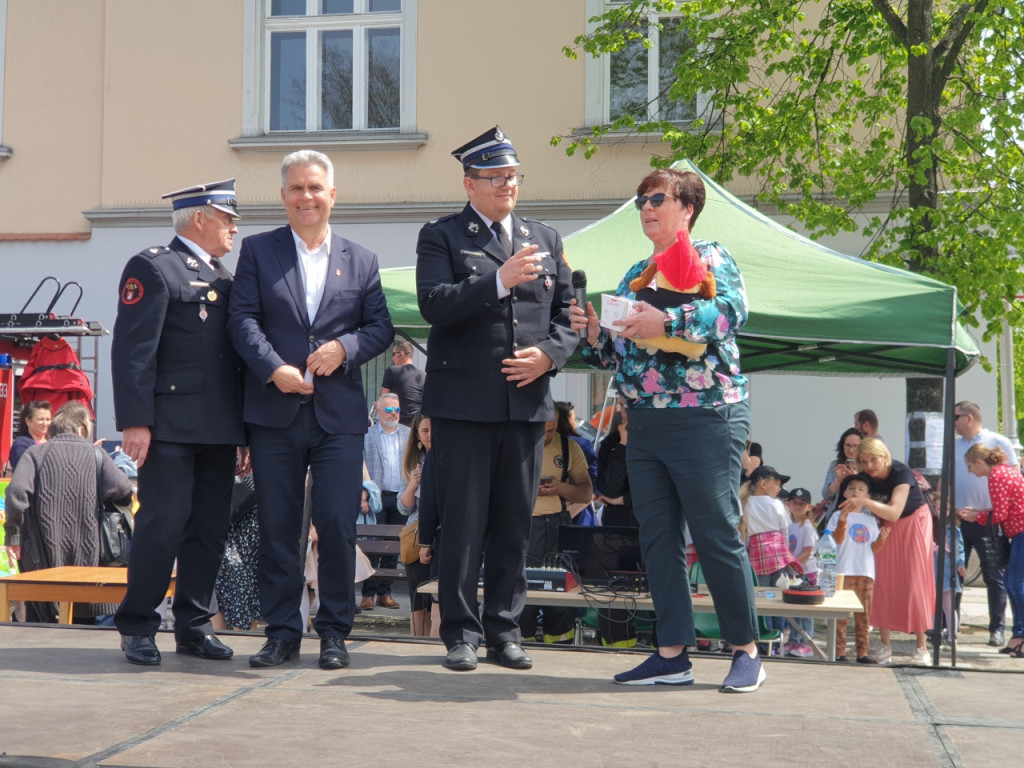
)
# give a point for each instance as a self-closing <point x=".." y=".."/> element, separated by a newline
<point x="524" y="230"/>
<point x="473" y="228"/>
<point x="191" y="262"/>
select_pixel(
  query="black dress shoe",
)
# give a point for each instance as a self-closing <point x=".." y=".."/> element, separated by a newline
<point x="510" y="655"/>
<point x="205" y="647"/>
<point x="140" y="649"/>
<point x="275" y="651"/>
<point x="461" y="657"/>
<point x="333" y="653"/>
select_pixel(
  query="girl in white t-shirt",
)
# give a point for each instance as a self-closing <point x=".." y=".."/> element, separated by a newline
<point x="859" y="537"/>
<point x="803" y="541"/>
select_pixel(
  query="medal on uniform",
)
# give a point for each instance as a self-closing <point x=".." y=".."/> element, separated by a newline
<point x="211" y="295"/>
<point x="203" y="314"/>
<point x="547" y="283"/>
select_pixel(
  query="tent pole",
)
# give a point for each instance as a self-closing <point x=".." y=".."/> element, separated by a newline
<point x="945" y="521"/>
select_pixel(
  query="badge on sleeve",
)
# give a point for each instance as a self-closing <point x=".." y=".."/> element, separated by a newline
<point x="132" y="291"/>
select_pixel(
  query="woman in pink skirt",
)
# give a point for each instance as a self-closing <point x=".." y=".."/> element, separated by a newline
<point x="904" y="570"/>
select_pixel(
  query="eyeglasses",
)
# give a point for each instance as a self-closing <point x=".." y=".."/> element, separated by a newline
<point x="515" y="180"/>
<point x="392" y="409"/>
<point x="959" y="416"/>
<point x="396" y="353"/>
<point x="656" y="201"/>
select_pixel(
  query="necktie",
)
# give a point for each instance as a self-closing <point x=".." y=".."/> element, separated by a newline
<point x="215" y="264"/>
<point x="502" y="238"/>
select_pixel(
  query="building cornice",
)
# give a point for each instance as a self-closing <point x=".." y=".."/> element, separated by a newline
<point x="359" y="213"/>
<point x="341" y="140"/>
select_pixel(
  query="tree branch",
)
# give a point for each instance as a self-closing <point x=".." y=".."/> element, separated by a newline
<point x="895" y="23"/>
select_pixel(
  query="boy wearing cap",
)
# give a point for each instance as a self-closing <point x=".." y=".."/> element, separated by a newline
<point x="803" y="541"/>
<point x="496" y="290"/>
<point x="177" y="402"/>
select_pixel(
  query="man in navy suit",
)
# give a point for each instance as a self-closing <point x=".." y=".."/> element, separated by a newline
<point x="306" y="312"/>
<point x="496" y="290"/>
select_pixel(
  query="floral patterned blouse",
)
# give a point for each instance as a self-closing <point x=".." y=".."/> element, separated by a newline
<point x="1006" y="487"/>
<point x="651" y="378"/>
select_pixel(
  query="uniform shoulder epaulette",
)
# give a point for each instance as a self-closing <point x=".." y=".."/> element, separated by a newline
<point x="435" y="222"/>
<point x="536" y="221"/>
<point x="156" y="250"/>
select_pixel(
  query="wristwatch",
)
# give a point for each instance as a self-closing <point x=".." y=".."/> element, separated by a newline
<point x="669" y="331"/>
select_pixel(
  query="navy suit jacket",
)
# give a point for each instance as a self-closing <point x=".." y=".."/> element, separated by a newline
<point x="269" y="327"/>
<point x="472" y="330"/>
<point x="172" y="363"/>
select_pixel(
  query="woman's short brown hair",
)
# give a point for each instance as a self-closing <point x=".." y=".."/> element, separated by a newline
<point x="686" y="185"/>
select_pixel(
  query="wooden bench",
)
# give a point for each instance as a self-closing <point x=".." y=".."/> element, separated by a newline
<point x="66" y="586"/>
<point x="382" y="540"/>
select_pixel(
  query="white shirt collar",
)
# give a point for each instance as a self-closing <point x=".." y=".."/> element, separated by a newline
<point x="197" y="250"/>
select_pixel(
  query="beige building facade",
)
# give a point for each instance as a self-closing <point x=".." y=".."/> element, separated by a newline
<point x="107" y="104"/>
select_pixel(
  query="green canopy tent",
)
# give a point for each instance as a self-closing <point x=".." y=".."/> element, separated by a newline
<point x="813" y="310"/>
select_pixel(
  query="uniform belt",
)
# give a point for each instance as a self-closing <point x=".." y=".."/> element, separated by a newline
<point x="389" y="493"/>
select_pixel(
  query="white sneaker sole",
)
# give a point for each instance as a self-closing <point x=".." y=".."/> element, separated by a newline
<point x="679" y="678"/>
<point x="761" y="675"/>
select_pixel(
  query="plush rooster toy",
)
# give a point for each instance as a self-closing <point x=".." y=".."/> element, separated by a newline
<point x="674" y="276"/>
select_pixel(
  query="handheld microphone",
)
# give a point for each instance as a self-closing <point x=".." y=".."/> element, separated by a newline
<point x="579" y="287"/>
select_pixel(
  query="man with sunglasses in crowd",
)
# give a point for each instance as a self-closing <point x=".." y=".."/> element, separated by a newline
<point x="383" y="448"/>
<point x="496" y="290"/>
<point x="405" y="380"/>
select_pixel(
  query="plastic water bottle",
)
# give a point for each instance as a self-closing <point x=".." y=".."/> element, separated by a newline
<point x="827" y="554"/>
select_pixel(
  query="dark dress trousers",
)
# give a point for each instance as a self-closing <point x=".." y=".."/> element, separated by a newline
<point x="174" y="370"/>
<point x="487" y="433"/>
<point x="270" y="327"/>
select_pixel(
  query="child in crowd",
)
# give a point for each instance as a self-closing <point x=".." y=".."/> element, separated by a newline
<point x="858" y="536"/>
<point x="765" y="527"/>
<point x="953" y="577"/>
<point x="803" y="540"/>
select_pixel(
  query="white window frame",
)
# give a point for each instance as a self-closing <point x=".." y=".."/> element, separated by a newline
<point x="598" y="73"/>
<point x="258" y="26"/>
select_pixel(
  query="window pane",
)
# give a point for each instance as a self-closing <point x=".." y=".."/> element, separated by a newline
<point x="380" y="6"/>
<point x="336" y="80"/>
<point x="672" y="44"/>
<point x="288" y="8"/>
<point x="383" y="98"/>
<point x="335" y="6"/>
<point x="628" y="82"/>
<point x="288" y="81"/>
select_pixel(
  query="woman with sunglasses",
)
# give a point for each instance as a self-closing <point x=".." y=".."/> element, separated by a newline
<point x="688" y="424"/>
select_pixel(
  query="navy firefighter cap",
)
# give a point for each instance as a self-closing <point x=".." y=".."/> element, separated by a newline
<point x="219" y="194"/>
<point x="491" y="149"/>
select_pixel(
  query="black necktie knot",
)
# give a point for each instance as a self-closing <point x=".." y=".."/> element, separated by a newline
<point x="502" y="238"/>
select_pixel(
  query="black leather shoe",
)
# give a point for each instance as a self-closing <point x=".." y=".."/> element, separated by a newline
<point x="205" y="647"/>
<point x="275" y="651"/>
<point x="461" y="657"/>
<point x="510" y="655"/>
<point x="140" y="649"/>
<point x="333" y="653"/>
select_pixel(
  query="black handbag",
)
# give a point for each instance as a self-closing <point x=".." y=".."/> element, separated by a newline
<point x="115" y="524"/>
<point x="993" y="546"/>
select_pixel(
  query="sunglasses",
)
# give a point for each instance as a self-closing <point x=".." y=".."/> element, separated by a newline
<point x="656" y="201"/>
<point x="392" y="409"/>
